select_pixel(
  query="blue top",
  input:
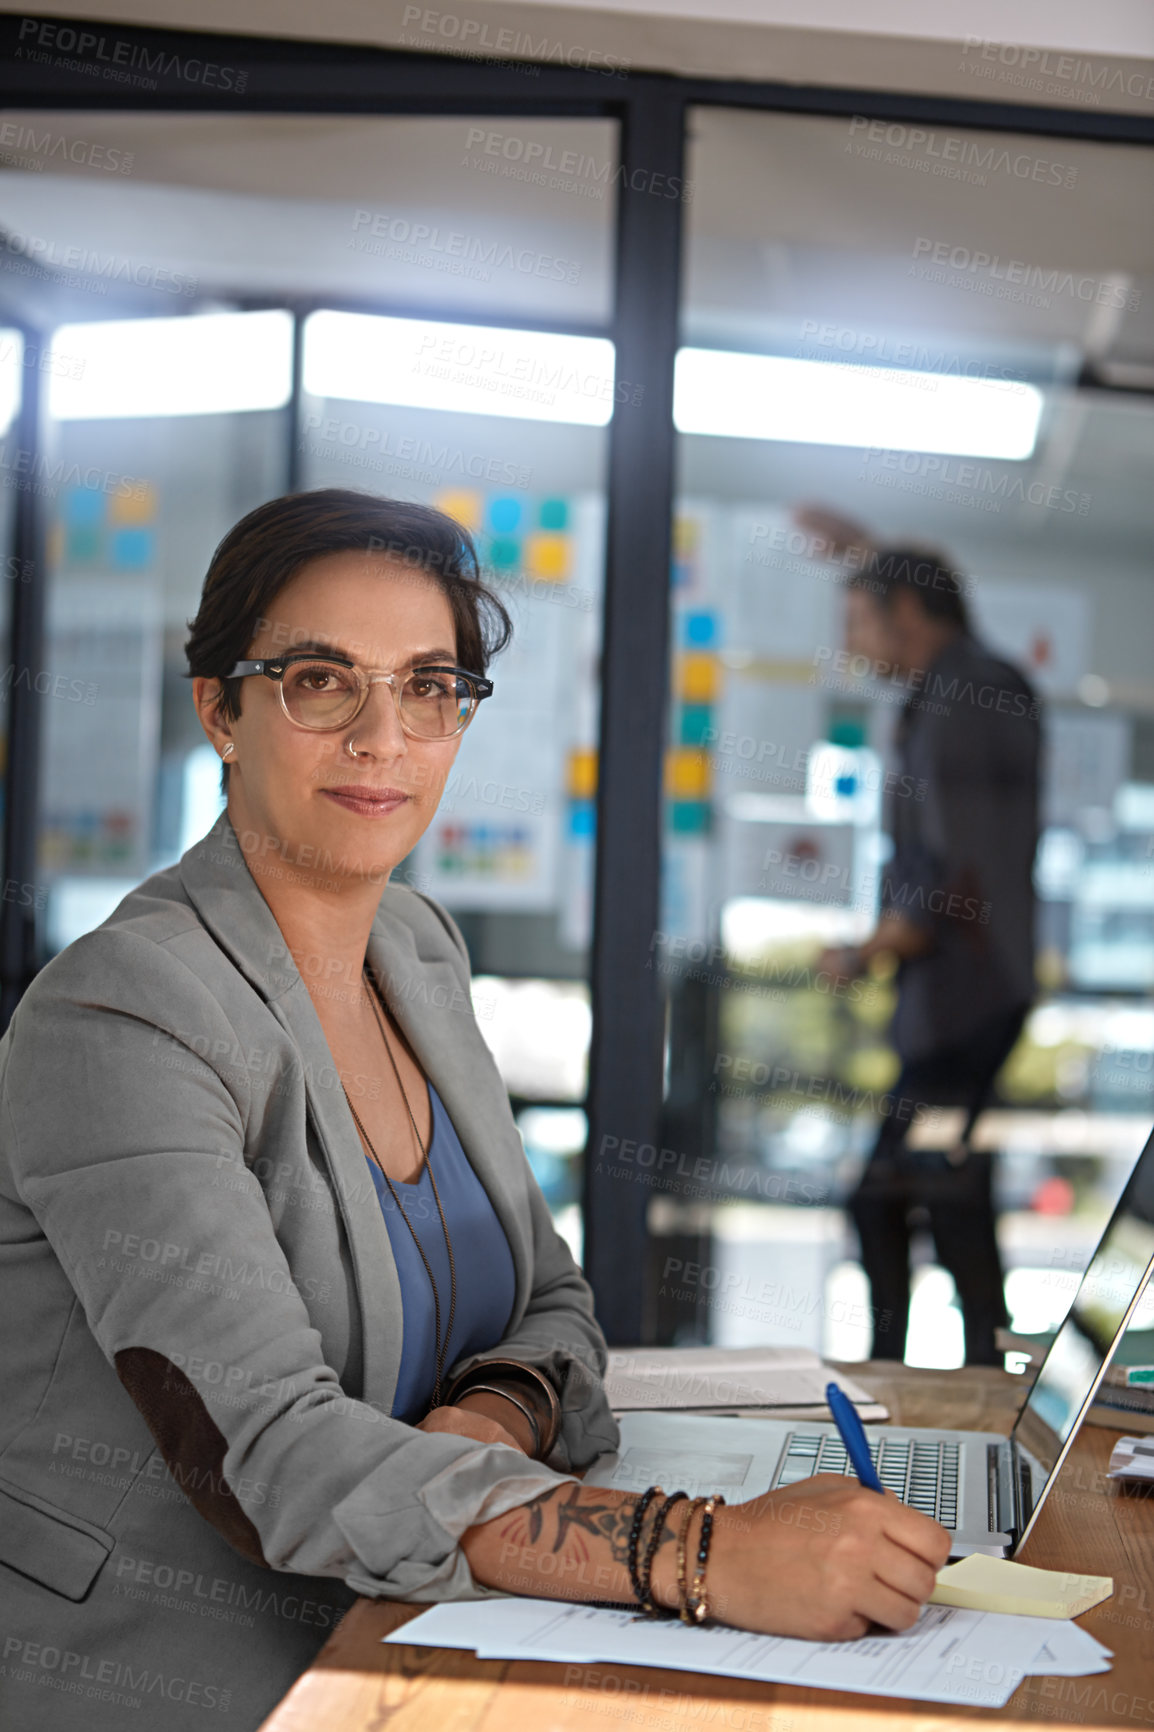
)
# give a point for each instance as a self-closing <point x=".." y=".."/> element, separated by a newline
<point x="481" y="1254"/>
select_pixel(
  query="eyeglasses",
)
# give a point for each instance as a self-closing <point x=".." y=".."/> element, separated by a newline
<point x="433" y="703"/>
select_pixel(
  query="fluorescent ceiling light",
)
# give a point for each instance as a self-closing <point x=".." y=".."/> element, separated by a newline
<point x="205" y="364"/>
<point x="830" y="403"/>
<point x="11" y="377"/>
<point x="465" y="369"/>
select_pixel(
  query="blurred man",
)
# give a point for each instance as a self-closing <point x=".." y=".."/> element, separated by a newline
<point x="956" y="910"/>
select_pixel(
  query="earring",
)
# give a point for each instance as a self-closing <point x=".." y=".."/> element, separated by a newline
<point x="229" y="748"/>
<point x="350" y="748"/>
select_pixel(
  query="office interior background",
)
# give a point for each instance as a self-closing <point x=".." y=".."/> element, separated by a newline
<point x="622" y="324"/>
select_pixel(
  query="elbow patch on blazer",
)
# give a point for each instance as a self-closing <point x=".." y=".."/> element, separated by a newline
<point x="190" y="1441"/>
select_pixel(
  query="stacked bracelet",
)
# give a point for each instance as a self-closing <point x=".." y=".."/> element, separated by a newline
<point x="695" y="1608"/>
<point x="682" y="1542"/>
<point x="643" y="1504"/>
<point x="507" y="1394"/>
<point x="646" y="1570"/>
<point x="536" y="1385"/>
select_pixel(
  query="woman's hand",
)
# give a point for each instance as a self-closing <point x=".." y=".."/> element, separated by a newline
<point x="470" y="1422"/>
<point x="823" y="1559"/>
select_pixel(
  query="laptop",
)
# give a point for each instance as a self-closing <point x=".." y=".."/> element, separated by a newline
<point x="986" y="1488"/>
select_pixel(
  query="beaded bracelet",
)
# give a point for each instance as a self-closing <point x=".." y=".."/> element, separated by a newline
<point x="647" y="1605"/>
<point x="691" y="1509"/>
<point x="696" y="1609"/>
<point x="643" y="1504"/>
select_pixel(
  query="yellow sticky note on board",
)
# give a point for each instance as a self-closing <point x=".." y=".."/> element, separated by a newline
<point x="983" y="1584"/>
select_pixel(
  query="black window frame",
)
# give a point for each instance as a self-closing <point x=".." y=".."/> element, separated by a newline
<point x="624" y="1100"/>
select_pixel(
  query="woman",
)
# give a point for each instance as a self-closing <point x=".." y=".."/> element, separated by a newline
<point x="294" y="1322"/>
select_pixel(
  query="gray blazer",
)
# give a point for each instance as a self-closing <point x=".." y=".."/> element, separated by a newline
<point x="198" y="1471"/>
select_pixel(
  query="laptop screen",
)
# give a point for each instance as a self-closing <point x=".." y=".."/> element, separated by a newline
<point x="1113" y="1292"/>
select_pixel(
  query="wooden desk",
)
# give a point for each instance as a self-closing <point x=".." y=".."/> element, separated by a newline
<point x="1089" y="1524"/>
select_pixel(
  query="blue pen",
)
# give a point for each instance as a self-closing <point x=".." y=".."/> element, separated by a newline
<point x="850" y="1426"/>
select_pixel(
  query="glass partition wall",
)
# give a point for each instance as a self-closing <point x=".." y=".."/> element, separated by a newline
<point x="173" y="413"/>
<point x="463" y="288"/>
<point x="897" y="339"/>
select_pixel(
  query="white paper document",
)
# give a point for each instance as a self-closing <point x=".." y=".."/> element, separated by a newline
<point x="949" y="1655"/>
<point x="727" y="1378"/>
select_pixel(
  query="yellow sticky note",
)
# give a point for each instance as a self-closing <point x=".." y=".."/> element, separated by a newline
<point x="687" y="773"/>
<point x="463" y="504"/>
<point x="582" y="773"/>
<point x="136" y="506"/>
<point x="983" y="1584"/>
<point x="697" y="680"/>
<point x="548" y="556"/>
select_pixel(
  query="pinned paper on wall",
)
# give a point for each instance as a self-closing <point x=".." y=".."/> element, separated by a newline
<point x="114" y="530"/>
<point x="519" y="799"/>
<point x="101" y="725"/>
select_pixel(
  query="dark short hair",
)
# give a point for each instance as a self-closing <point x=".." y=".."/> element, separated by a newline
<point x="924" y="571"/>
<point x="265" y="550"/>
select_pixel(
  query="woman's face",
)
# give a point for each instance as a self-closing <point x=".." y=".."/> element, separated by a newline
<point x="286" y="780"/>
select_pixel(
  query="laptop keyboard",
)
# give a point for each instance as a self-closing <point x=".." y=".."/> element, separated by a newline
<point x="922" y="1474"/>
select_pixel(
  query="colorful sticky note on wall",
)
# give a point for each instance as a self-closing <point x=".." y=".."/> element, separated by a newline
<point x="462" y="503"/>
<point x="137" y="506"/>
<point x="132" y="548"/>
<point x="548" y="556"/>
<point x="699" y="629"/>
<point x="505" y="552"/>
<point x="504" y="514"/>
<point x="690" y="817"/>
<point x="687" y="773"/>
<point x="83" y="505"/>
<point x="698" y="677"/>
<point x="581" y="773"/>
<point x="695" y="725"/>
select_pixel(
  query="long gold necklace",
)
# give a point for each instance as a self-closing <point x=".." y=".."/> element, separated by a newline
<point x="441" y="1345"/>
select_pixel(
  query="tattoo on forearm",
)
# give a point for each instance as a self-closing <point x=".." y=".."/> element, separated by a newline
<point x="608" y="1521"/>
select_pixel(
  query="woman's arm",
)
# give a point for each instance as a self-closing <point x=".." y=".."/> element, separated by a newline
<point x="822" y="1559"/>
<point x="128" y="1149"/>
